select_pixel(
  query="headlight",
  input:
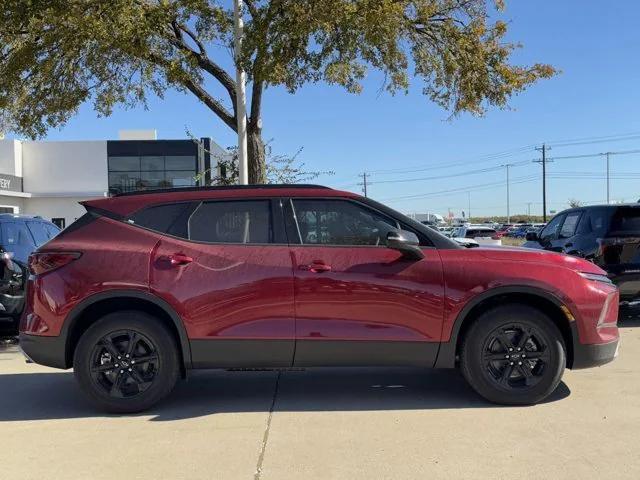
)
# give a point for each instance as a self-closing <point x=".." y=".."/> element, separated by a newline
<point x="596" y="277"/>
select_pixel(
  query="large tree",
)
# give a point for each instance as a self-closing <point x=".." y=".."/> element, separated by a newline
<point x="57" y="54"/>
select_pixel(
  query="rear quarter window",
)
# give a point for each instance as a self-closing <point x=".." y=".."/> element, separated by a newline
<point x="170" y="218"/>
<point x="626" y="220"/>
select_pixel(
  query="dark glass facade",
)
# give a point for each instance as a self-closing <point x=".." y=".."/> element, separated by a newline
<point x="148" y="164"/>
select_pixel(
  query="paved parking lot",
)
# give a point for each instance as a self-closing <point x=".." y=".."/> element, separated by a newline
<point x="325" y="424"/>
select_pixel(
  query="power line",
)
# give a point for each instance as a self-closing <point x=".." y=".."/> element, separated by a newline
<point x="594" y="155"/>
<point x="453" y="175"/>
<point x="512" y="152"/>
<point x="484" y="158"/>
<point x="484" y="186"/>
<point x="594" y="140"/>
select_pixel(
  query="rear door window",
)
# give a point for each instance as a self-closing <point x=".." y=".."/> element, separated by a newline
<point x="570" y="224"/>
<point x="626" y="220"/>
<point x="247" y="221"/>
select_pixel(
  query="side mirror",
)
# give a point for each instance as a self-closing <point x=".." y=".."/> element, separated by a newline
<point x="405" y="242"/>
<point x="532" y="236"/>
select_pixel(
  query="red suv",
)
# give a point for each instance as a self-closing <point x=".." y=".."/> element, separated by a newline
<point x="146" y="286"/>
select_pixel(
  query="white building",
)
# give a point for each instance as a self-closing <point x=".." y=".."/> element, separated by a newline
<point x="50" y="178"/>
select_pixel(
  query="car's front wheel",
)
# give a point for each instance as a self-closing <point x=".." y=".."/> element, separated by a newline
<point x="126" y="362"/>
<point x="513" y="354"/>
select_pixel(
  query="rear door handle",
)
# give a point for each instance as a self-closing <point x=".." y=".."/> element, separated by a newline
<point x="179" y="259"/>
<point x="316" y="267"/>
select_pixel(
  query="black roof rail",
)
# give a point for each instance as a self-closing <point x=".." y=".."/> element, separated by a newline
<point x="216" y="188"/>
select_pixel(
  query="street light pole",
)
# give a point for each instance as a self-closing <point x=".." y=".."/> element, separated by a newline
<point x="607" y="154"/>
<point x="241" y="95"/>
<point x="508" y="195"/>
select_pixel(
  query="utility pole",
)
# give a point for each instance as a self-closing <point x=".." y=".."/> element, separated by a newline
<point x="364" y="182"/>
<point x="241" y="95"/>
<point x="544" y="149"/>
<point x="469" y="209"/>
<point x="607" y="154"/>
<point x="529" y="209"/>
<point x="507" y="165"/>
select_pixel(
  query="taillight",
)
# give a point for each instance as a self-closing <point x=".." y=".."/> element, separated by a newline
<point x="45" y="262"/>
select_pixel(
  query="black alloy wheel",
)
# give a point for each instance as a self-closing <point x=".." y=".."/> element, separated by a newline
<point x="127" y="361"/>
<point x="513" y="354"/>
<point x="124" y="363"/>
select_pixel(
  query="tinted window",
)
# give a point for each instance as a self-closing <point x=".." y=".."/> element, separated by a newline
<point x="480" y="233"/>
<point x="232" y="222"/>
<point x="169" y="218"/>
<point x="39" y="233"/>
<point x="569" y="226"/>
<point x="338" y="222"/>
<point x="16" y="234"/>
<point x="593" y="220"/>
<point x="179" y="163"/>
<point x="626" y="219"/>
<point x="52" y="230"/>
<point x="551" y="230"/>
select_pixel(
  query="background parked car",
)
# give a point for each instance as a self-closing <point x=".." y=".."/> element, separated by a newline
<point x="20" y="235"/>
<point x="482" y="235"/>
<point x="519" y="231"/>
<point x="608" y="235"/>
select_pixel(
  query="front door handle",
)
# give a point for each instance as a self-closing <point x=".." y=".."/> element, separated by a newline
<point x="316" y="267"/>
<point x="179" y="259"/>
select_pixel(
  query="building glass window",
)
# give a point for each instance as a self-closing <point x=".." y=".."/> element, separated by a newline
<point x="127" y="173"/>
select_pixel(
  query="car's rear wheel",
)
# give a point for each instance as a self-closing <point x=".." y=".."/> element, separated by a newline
<point x="513" y="354"/>
<point x="126" y="362"/>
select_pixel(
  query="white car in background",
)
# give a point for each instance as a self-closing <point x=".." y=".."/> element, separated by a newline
<point x="479" y="233"/>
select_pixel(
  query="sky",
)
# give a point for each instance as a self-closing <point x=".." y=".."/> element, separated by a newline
<point x="595" y="99"/>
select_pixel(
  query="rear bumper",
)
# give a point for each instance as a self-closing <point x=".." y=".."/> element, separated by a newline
<point x="48" y="351"/>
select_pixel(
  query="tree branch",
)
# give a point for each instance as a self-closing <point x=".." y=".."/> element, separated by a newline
<point x="185" y="80"/>
<point x="214" y="105"/>
<point x="204" y="62"/>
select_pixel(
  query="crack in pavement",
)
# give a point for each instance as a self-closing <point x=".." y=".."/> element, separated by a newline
<point x="265" y="437"/>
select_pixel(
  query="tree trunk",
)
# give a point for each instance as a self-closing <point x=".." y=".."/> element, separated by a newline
<point x="256" y="153"/>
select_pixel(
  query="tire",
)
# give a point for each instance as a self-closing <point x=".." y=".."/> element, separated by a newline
<point x="142" y="378"/>
<point x="513" y="377"/>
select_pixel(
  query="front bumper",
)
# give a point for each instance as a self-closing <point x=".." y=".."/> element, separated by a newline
<point x="48" y="351"/>
<point x="592" y="355"/>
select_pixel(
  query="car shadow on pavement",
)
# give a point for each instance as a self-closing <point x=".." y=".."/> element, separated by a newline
<point x="40" y="396"/>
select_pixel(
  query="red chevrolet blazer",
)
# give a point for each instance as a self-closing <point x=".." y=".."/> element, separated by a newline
<point x="148" y="285"/>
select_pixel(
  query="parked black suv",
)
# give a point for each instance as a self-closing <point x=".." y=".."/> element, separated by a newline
<point x="608" y="235"/>
<point x="19" y="236"/>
